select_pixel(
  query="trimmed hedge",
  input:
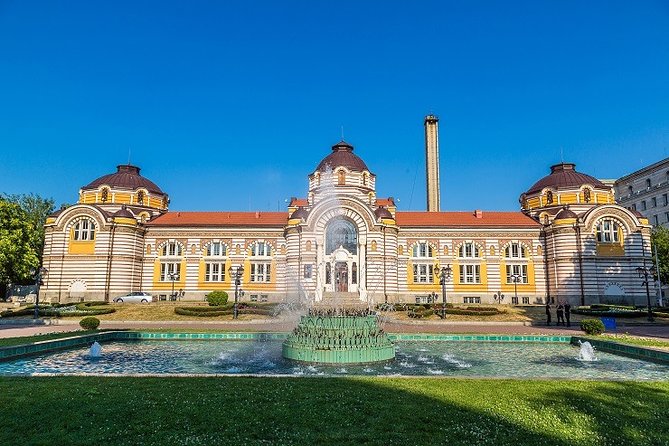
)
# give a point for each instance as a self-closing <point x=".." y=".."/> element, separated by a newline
<point x="608" y="313"/>
<point x="468" y="312"/>
<point x="592" y="326"/>
<point x="82" y="309"/>
<point x="217" y="298"/>
<point x="223" y="310"/>
<point x="89" y="323"/>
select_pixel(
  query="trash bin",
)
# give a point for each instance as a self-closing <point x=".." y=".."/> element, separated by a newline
<point x="609" y="323"/>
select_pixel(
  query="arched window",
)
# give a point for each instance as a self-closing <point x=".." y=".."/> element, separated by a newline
<point x="261" y="249"/>
<point x="171" y="249"/>
<point x="104" y="196"/>
<point x="549" y="197"/>
<point x="422" y="250"/>
<point x="216" y="249"/>
<point x="341" y="232"/>
<point x="140" y="197"/>
<point x="587" y="196"/>
<point x="84" y="230"/>
<point x="608" y="231"/>
<point x="341" y="178"/>
<point x="515" y="251"/>
<point x="468" y="250"/>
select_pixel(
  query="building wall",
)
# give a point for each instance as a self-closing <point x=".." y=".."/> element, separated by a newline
<point x="647" y="191"/>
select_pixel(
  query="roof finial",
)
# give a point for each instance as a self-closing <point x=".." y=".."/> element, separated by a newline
<point x="561" y="156"/>
<point x="342" y="132"/>
<point x="128" y="155"/>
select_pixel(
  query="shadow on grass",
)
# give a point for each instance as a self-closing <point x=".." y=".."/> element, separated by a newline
<point x="330" y="411"/>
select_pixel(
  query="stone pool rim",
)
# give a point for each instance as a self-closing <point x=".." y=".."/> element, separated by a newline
<point x="10" y="353"/>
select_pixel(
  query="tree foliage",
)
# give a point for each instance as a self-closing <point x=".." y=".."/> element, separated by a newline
<point x="17" y="254"/>
<point x="660" y="242"/>
<point x="22" y="220"/>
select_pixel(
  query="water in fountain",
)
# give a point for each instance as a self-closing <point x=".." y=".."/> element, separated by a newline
<point x="587" y="352"/>
<point x="96" y="350"/>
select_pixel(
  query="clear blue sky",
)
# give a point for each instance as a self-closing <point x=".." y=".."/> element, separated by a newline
<point x="230" y="105"/>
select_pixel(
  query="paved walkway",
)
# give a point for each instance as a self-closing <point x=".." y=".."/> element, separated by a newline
<point x="391" y="326"/>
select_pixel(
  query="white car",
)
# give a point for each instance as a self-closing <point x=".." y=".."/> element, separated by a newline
<point x="133" y="297"/>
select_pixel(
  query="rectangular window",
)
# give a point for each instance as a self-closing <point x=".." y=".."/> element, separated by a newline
<point x="520" y="270"/>
<point x="471" y="300"/>
<point x="656" y="220"/>
<point x="643" y="205"/>
<point x="653" y="202"/>
<point x="307" y="271"/>
<point x="260" y="272"/>
<point x="214" y="272"/>
<point x="169" y="271"/>
<point x="470" y="273"/>
<point x="526" y="300"/>
<point x="423" y="273"/>
<point x="254" y="298"/>
<point x="665" y="200"/>
<point x="666" y="216"/>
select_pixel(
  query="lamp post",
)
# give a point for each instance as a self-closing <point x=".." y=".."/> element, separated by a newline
<point x="236" y="275"/>
<point x="444" y="276"/>
<point x="173" y="277"/>
<point x="515" y="278"/>
<point x="499" y="297"/>
<point x="39" y="275"/>
<point x="646" y="274"/>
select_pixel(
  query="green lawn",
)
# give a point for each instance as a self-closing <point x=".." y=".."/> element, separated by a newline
<point x="6" y="342"/>
<point x="330" y="411"/>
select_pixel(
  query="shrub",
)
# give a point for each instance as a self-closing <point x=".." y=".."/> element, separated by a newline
<point x="217" y="298"/>
<point x="592" y="326"/>
<point x="89" y="323"/>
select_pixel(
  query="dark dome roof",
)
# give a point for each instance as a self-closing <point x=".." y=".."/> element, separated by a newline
<point x="123" y="212"/>
<point x="564" y="176"/>
<point x="382" y="212"/>
<point x="125" y="177"/>
<point x="299" y="213"/>
<point x="565" y="213"/>
<point x="342" y="156"/>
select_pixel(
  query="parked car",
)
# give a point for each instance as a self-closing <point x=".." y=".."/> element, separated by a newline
<point x="133" y="297"/>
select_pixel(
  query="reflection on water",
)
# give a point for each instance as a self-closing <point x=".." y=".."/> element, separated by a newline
<point x="443" y="358"/>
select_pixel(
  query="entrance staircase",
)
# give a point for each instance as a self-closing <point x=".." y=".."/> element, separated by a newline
<point x="341" y="300"/>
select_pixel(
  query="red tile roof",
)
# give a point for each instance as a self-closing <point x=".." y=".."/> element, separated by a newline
<point x="390" y="201"/>
<point x="241" y="219"/>
<point x="298" y="202"/>
<point x="465" y="219"/>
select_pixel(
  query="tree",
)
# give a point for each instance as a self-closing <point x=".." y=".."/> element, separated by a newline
<point x="18" y="258"/>
<point x="37" y="209"/>
<point x="660" y="241"/>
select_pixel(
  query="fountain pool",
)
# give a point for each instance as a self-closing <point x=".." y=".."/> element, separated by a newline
<point x="431" y="358"/>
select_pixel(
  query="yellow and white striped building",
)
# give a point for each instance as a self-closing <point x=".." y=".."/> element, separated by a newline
<point x="569" y="241"/>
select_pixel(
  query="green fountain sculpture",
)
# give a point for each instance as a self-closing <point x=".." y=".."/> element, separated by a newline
<point x="338" y="336"/>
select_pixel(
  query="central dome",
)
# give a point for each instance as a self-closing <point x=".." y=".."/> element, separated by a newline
<point x="564" y="176"/>
<point x="342" y="156"/>
<point x="126" y="177"/>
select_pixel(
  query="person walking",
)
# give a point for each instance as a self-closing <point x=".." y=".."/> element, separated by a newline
<point x="560" y="314"/>
<point x="567" y="313"/>
<point x="548" y="313"/>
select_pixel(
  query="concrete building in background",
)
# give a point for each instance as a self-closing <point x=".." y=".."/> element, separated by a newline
<point x="646" y="191"/>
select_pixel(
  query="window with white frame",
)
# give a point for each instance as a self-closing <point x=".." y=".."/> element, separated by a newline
<point x="84" y="230"/>
<point x="422" y="250"/>
<point x="470" y="274"/>
<point x="515" y="251"/>
<point x="468" y="250"/>
<point x="171" y="249"/>
<point x="608" y="231"/>
<point x="260" y="272"/>
<point x="261" y="249"/>
<point x="214" y="272"/>
<point x="471" y="300"/>
<point x="170" y="271"/>
<point x="423" y="273"/>
<point x="519" y="270"/>
<point x="216" y="249"/>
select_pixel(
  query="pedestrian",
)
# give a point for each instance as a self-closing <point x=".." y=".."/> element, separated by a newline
<point x="567" y="313"/>
<point x="548" y="313"/>
<point x="560" y="314"/>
